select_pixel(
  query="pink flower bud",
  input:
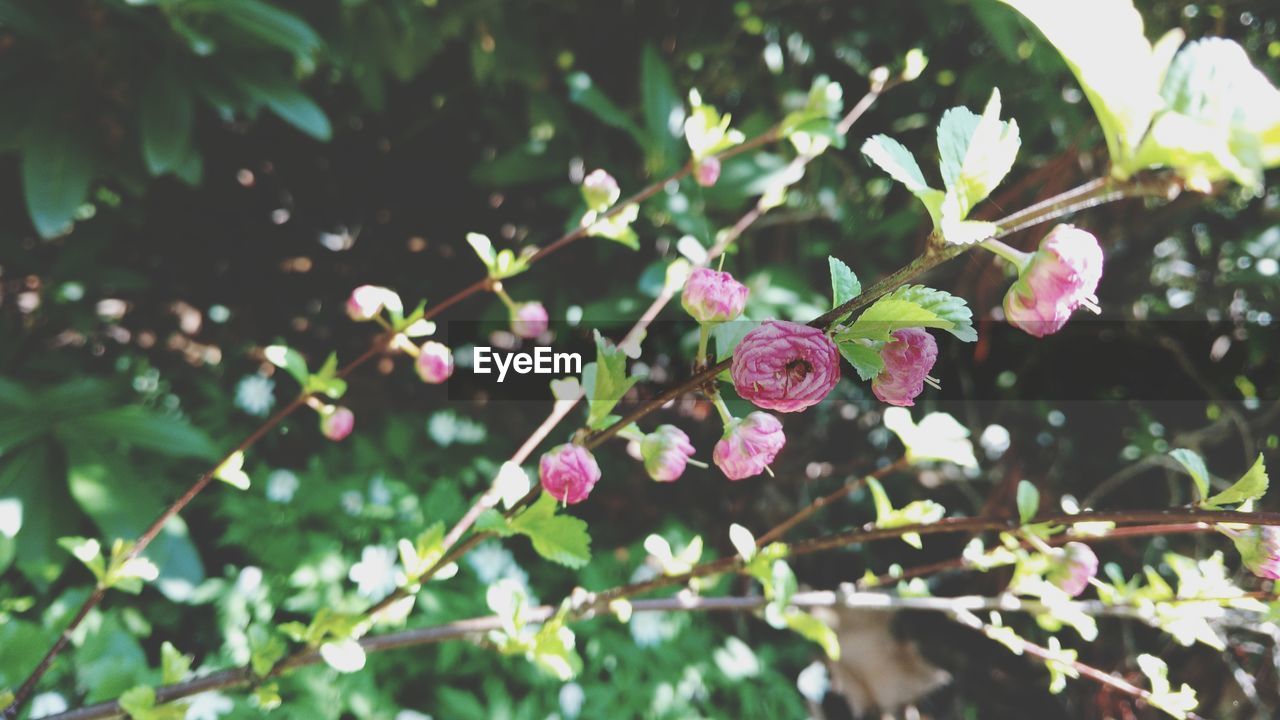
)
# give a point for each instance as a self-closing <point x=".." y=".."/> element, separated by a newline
<point x="708" y="171"/>
<point x="368" y="301"/>
<point x="1259" y="548"/>
<point x="568" y="473"/>
<point x="785" y="366"/>
<point x="1074" y="568"/>
<point x="711" y="296"/>
<point x="1061" y="276"/>
<point x="908" y="357"/>
<point x="749" y="445"/>
<point x="666" y="451"/>
<point x="435" y="362"/>
<point x="337" y="423"/>
<point x="529" y="320"/>
<point x="600" y="190"/>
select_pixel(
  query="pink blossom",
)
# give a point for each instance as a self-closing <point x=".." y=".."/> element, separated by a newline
<point x="1074" y="568"/>
<point x="337" y="423"/>
<point x="707" y="171"/>
<point x="908" y="357"/>
<point x="666" y="451"/>
<point x="435" y="362"/>
<point x="600" y="190"/>
<point x="1259" y="548"/>
<point x="711" y="296"/>
<point x="785" y="366"/>
<point x="529" y="320"/>
<point x="368" y="301"/>
<point x="568" y="473"/>
<point x="1061" y="276"/>
<point x="749" y="445"/>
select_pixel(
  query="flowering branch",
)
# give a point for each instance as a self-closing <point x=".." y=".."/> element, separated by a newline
<point x="379" y="345"/>
<point x="593" y="604"/>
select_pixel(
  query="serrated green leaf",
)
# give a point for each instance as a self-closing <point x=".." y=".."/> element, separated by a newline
<point x="560" y="538"/>
<point x="865" y="359"/>
<point x="976" y="152"/>
<point x="1251" y="486"/>
<point x="605" y="381"/>
<point x="897" y="160"/>
<point x="1195" y="467"/>
<point x="912" y="306"/>
<point x="146" y="429"/>
<point x="844" y="283"/>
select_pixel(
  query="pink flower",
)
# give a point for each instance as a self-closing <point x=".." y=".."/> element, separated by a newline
<point x="1074" y="568"/>
<point x="1259" y="548"/>
<point x="666" y="451"/>
<point x="711" y="296"/>
<point x="568" y="473"/>
<point x="600" y="190"/>
<point x="908" y="357"/>
<point x="1061" y="276"/>
<point x="785" y="366"/>
<point x="749" y="445"/>
<point x="529" y="320"/>
<point x="368" y="301"/>
<point x="435" y="362"/>
<point x="707" y="171"/>
<point x="337" y="423"/>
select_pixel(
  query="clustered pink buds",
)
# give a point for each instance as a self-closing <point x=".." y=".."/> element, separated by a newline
<point x="666" y="451"/>
<point x="368" y="301"/>
<point x="435" y="362"/>
<point x="1259" y="548"/>
<point x="336" y="423"/>
<point x="1062" y="275"/>
<point x="568" y="473"/>
<point x="748" y="446"/>
<point x="708" y="171"/>
<point x="600" y="190"/>
<point x="785" y="366"/>
<point x="908" y="357"/>
<point x="1074" y="568"/>
<point x="711" y="296"/>
<point x="529" y="320"/>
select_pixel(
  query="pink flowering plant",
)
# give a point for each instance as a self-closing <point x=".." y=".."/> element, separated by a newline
<point x="764" y="362"/>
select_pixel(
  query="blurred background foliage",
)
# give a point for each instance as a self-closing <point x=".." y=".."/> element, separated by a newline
<point x="186" y="181"/>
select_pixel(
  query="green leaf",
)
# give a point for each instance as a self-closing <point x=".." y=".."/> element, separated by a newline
<point x="300" y="111"/>
<point x="345" y="655"/>
<point x="1028" y="501"/>
<point x="1178" y="704"/>
<point x="913" y="306"/>
<point x="87" y="551"/>
<point x="976" y="153"/>
<point x="165" y="117"/>
<point x="560" y="538"/>
<point x="174" y="666"/>
<point x="707" y="131"/>
<point x="263" y="21"/>
<point x="30" y="481"/>
<point x="1222" y="118"/>
<point x="811" y="628"/>
<point x="146" y="429"/>
<point x="901" y="165"/>
<point x="605" y="381"/>
<point x="583" y="92"/>
<point x="938" y="436"/>
<point x="663" y="109"/>
<point x="1104" y="44"/>
<point x="1251" y="486"/>
<point x="844" y="283"/>
<point x="289" y="360"/>
<point x="743" y="541"/>
<point x="1196" y="467"/>
<point x="865" y="359"/>
<point x="57" y="169"/>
